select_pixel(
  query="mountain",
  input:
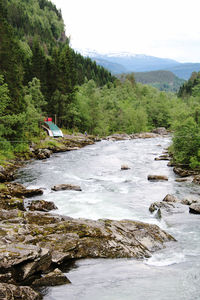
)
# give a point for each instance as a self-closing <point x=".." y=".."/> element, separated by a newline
<point x="184" y="70"/>
<point x="162" y="80"/>
<point x="125" y="62"/>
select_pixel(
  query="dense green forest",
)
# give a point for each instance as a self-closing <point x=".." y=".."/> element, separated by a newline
<point x="41" y="75"/>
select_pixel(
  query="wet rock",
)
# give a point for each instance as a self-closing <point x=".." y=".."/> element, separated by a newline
<point x="125" y="167"/>
<point x="194" y="208"/>
<point x="118" y="137"/>
<point x="162" y="157"/>
<point x="18" y="190"/>
<point x="11" y="292"/>
<point x="41" y="205"/>
<point x="170" y="198"/>
<point x="157" y="178"/>
<point x="53" y="278"/>
<point x="196" y="179"/>
<point x="62" y="187"/>
<point x="184" y="179"/>
<point x="167" y="206"/>
<point x="144" y="135"/>
<point x="171" y="163"/>
<point x="188" y="201"/>
<point x="183" y="172"/>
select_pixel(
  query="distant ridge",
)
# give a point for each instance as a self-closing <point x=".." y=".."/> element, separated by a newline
<point x="163" y="80"/>
<point x="125" y="62"/>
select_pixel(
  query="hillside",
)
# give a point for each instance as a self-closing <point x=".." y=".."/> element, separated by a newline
<point x="163" y="80"/>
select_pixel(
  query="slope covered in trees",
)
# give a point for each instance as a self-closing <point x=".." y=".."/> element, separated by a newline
<point x="162" y="80"/>
<point x="39" y="72"/>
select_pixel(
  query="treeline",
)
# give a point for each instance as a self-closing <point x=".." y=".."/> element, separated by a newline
<point x="186" y="141"/>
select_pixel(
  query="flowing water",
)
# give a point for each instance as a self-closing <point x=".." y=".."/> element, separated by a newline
<point x="108" y="192"/>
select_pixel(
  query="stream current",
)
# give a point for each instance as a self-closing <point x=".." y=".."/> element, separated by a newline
<point x="108" y="192"/>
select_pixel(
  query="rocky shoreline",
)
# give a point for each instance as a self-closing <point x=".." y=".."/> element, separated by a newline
<point x="35" y="244"/>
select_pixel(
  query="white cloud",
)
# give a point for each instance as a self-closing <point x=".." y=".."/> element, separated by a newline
<point x="161" y="28"/>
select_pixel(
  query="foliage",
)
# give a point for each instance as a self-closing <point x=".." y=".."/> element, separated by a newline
<point x="122" y="107"/>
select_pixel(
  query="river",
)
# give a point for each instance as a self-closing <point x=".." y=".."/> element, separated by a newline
<point x="108" y="192"/>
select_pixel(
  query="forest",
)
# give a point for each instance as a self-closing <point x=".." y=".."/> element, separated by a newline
<point x="41" y="75"/>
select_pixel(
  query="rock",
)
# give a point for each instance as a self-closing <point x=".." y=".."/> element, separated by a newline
<point x="118" y="137"/>
<point x="3" y="177"/>
<point x="170" y="198"/>
<point x="188" y="201"/>
<point x="23" y="260"/>
<point x="160" y="130"/>
<point x="171" y="163"/>
<point x="59" y="257"/>
<point x="144" y="135"/>
<point x="183" y="172"/>
<point x="10" y="214"/>
<point x="62" y="187"/>
<point x="196" y="179"/>
<point x="184" y="179"/>
<point x="125" y="167"/>
<point x="52" y="279"/>
<point x="41" y="205"/>
<point x="12" y="203"/>
<point x="194" y="208"/>
<point x="18" y="190"/>
<point x="157" y="177"/>
<point x="42" y="153"/>
<point x="77" y="238"/>
<point x="11" y="292"/>
<point x="167" y="206"/>
<point x="162" y="157"/>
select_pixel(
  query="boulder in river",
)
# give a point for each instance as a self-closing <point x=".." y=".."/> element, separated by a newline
<point x="63" y="187"/>
<point x="162" y="157"/>
<point x="194" y="208"/>
<point x="184" y="179"/>
<point x="144" y="135"/>
<point x="161" y="205"/>
<point x="196" y="179"/>
<point x="157" y="178"/>
<point x="125" y="167"/>
<point x="170" y="198"/>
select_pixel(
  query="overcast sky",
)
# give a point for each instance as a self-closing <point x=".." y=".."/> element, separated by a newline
<point x="160" y="28"/>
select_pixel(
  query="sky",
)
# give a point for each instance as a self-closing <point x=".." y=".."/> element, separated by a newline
<point x="162" y="28"/>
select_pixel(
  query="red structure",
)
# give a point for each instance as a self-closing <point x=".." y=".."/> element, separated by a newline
<point x="48" y="120"/>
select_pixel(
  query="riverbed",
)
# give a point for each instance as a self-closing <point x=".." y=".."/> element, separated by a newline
<point x="109" y="192"/>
